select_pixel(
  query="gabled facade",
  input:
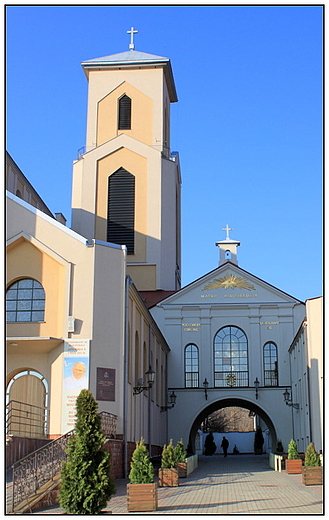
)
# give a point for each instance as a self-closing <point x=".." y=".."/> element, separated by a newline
<point x="229" y="329"/>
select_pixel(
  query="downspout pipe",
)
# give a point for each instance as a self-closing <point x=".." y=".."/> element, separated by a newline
<point x="149" y="397"/>
<point x="125" y="382"/>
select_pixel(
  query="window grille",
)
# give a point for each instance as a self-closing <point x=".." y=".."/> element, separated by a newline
<point x="270" y="352"/>
<point x="121" y="209"/>
<point x="231" y="357"/>
<point x="25" y="301"/>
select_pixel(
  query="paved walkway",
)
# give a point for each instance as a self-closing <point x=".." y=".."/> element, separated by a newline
<point x="240" y="484"/>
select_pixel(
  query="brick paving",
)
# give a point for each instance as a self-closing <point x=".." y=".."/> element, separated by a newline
<point x="237" y="484"/>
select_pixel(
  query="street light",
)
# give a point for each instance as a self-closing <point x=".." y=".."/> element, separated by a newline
<point x="150" y="375"/>
<point x="256" y="385"/>
<point x="288" y="400"/>
<point x="171" y="404"/>
<point x="205" y="386"/>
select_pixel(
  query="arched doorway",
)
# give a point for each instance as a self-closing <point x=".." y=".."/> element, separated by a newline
<point x="223" y="403"/>
<point x="27" y="405"/>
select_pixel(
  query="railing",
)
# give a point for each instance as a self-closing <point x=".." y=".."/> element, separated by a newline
<point x="26" y="420"/>
<point x="109" y="424"/>
<point x="42" y="466"/>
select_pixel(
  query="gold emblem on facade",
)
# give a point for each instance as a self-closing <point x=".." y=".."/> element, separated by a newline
<point x="231" y="379"/>
<point x="229" y="282"/>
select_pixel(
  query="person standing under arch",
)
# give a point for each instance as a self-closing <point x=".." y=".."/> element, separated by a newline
<point x="225" y="444"/>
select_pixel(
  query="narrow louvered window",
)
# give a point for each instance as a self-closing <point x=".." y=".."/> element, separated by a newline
<point x="124" y="113"/>
<point x="121" y="209"/>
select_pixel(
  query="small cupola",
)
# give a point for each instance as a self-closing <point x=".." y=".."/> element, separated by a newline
<point x="228" y="248"/>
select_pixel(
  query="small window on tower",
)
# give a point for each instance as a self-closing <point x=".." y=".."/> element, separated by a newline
<point x="228" y="255"/>
<point x="124" y="113"/>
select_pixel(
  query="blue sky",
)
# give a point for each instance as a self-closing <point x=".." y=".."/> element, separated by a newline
<point x="247" y="126"/>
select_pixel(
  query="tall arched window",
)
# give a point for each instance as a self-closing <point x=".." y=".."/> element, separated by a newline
<point x="121" y="209"/>
<point x="191" y="366"/>
<point x="124" y="113"/>
<point x="25" y="301"/>
<point x="231" y="357"/>
<point x="270" y="352"/>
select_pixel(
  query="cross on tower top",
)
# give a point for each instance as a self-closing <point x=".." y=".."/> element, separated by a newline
<point x="132" y="32"/>
<point x="227" y="229"/>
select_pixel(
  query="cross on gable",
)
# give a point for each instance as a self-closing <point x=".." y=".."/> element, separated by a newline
<point x="132" y="32"/>
<point x="227" y="229"/>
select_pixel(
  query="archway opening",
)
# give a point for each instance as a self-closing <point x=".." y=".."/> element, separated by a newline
<point x="201" y="422"/>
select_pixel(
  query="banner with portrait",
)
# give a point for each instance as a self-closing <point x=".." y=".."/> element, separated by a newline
<point x="75" y="378"/>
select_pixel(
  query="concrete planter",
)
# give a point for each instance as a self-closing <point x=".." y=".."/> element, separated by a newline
<point x="142" y="497"/>
<point x="168" y="477"/>
<point x="293" y="466"/>
<point x="312" y="475"/>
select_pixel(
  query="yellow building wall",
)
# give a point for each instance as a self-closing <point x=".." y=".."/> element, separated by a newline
<point x="141" y="115"/>
<point x="24" y="260"/>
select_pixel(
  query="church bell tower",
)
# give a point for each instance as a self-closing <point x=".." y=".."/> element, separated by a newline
<point x="126" y="182"/>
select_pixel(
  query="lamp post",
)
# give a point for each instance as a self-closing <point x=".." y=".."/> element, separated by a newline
<point x="171" y="404"/>
<point x="150" y="375"/>
<point x="256" y="385"/>
<point x="205" y="386"/>
<point x="288" y="400"/>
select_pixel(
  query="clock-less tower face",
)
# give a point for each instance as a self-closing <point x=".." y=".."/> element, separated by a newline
<point x="126" y="184"/>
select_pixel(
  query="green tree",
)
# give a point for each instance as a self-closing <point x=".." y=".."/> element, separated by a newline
<point x="292" y="450"/>
<point x="312" y="458"/>
<point x="141" y="471"/>
<point x="85" y="480"/>
<point x="180" y="452"/>
<point x="168" y="457"/>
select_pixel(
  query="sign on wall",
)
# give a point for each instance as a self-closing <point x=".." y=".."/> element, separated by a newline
<point x="105" y="390"/>
<point x="75" y="378"/>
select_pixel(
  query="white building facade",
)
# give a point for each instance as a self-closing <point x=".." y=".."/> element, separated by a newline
<point x="229" y="332"/>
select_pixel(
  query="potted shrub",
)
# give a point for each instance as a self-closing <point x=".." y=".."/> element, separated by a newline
<point x="168" y="473"/>
<point x="293" y="462"/>
<point x="85" y="485"/>
<point x="258" y="441"/>
<point x="279" y="447"/>
<point x="181" y="464"/>
<point x="142" y="492"/>
<point x="312" y="471"/>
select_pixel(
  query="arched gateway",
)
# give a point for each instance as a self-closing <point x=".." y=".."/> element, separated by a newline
<point x="229" y="331"/>
<point x="223" y="403"/>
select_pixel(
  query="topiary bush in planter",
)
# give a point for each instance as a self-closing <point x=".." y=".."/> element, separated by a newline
<point x="142" y="492"/>
<point x="168" y="473"/>
<point x="180" y="455"/>
<point x="312" y="471"/>
<point x="85" y="485"/>
<point x="293" y="462"/>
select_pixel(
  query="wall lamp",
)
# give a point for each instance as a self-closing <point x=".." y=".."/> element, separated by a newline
<point x="288" y="400"/>
<point x="171" y="404"/>
<point x="150" y="375"/>
<point x="205" y="386"/>
<point x="256" y="385"/>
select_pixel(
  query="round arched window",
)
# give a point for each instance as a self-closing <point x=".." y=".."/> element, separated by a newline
<point x="231" y="357"/>
<point x="25" y="301"/>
